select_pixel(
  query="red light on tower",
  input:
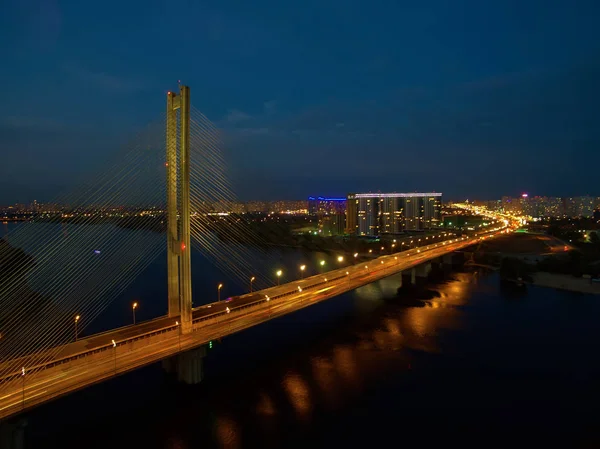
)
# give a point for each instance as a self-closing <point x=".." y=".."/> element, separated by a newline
<point x="182" y="246"/>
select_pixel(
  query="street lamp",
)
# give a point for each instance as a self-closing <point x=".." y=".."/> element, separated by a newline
<point x="133" y="307"/>
<point x="302" y="268"/>
<point x="355" y="255"/>
<point x="115" y="352"/>
<point x="340" y="259"/>
<point x="76" y="321"/>
<point x="279" y="273"/>
<point x="322" y="263"/>
<point x="219" y="292"/>
<point x="251" y="281"/>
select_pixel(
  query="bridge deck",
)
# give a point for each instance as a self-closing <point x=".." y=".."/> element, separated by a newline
<point x="96" y="358"/>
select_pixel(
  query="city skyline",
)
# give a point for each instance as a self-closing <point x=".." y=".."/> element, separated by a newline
<point x="517" y="100"/>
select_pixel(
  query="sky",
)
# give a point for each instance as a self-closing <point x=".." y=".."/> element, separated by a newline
<point x="475" y="99"/>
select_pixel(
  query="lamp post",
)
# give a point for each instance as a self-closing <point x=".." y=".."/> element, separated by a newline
<point x="115" y="352"/>
<point x="322" y="263"/>
<point x="179" y="332"/>
<point x="340" y="259"/>
<point x="76" y="321"/>
<point x="219" y="292"/>
<point x="302" y="268"/>
<point x="133" y="307"/>
<point x="251" y="281"/>
<point x="23" y="376"/>
<point x="279" y="273"/>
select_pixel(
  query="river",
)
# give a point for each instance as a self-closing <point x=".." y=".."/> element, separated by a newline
<point x="478" y="366"/>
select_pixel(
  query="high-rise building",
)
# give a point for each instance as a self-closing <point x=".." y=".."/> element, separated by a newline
<point x="390" y="213"/>
<point x="331" y="213"/>
<point x="321" y="204"/>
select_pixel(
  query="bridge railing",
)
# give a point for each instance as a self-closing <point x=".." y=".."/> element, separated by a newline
<point x="130" y="353"/>
<point x="17" y="373"/>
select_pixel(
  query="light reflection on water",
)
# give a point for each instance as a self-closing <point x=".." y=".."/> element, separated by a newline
<point x="381" y="361"/>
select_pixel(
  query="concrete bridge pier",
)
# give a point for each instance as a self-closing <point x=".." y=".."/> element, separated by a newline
<point x="12" y="434"/>
<point x="423" y="270"/>
<point x="188" y="366"/>
<point x="416" y="274"/>
<point x="447" y="259"/>
<point x="409" y="276"/>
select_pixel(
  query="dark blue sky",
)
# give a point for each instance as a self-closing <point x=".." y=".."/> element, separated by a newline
<point x="471" y="98"/>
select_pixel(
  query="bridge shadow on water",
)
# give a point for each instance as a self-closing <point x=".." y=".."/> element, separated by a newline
<point x="365" y="369"/>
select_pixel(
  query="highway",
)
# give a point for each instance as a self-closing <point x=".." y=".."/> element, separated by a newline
<point x="30" y="381"/>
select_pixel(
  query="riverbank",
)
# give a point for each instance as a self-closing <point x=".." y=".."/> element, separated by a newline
<point x="565" y="282"/>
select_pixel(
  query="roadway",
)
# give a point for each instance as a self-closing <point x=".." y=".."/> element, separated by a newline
<point x="101" y="356"/>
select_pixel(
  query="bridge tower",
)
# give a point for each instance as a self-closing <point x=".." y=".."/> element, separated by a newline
<point x="179" y="269"/>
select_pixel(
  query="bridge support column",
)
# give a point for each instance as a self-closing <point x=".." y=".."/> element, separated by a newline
<point x="423" y="270"/>
<point x="186" y="250"/>
<point x="179" y="277"/>
<point x="187" y="366"/>
<point x="12" y="434"/>
<point x="447" y="259"/>
<point x="419" y="273"/>
<point x="173" y="243"/>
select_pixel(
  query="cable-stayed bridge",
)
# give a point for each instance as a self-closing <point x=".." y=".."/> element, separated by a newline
<point x="61" y="271"/>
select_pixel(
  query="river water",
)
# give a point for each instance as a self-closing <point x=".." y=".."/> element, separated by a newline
<point x="478" y="366"/>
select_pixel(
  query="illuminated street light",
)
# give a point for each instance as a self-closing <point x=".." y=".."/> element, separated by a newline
<point x="302" y="268"/>
<point x="279" y="273"/>
<point x="76" y="321"/>
<point x="355" y="255"/>
<point x="115" y="352"/>
<point x="219" y="292"/>
<point x="133" y="307"/>
<point x="322" y="263"/>
<point x="340" y="258"/>
<point x="251" y="281"/>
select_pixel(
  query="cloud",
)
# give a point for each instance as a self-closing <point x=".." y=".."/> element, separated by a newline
<point x="104" y="80"/>
<point x="236" y="116"/>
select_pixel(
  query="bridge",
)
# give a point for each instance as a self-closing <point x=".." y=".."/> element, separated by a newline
<point x="43" y="362"/>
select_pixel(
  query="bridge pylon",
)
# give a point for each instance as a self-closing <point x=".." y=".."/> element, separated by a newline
<point x="179" y="271"/>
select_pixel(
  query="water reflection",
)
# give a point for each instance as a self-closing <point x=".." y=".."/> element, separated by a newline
<point x="344" y="360"/>
<point x="329" y="374"/>
<point x="265" y="405"/>
<point x="326" y="378"/>
<point x="227" y="433"/>
<point x="298" y="394"/>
